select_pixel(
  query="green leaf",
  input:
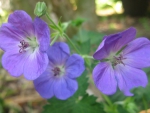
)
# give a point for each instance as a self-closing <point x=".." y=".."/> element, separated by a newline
<point x="59" y="23"/>
<point x="82" y="85"/>
<point x="96" y="37"/>
<point x="53" y="27"/>
<point x="64" y="25"/>
<point x="85" y="104"/>
<point x="83" y="35"/>
<point x="77" y="22"/>
<point x="85" y="47"/>
<point x="88" y="62"/>
<point x="55" y="34"/>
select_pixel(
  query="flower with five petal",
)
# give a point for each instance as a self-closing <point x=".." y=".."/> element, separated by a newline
<point x="25" y="44"/>
<point x="122" y="61"/>
<point x="59" y="79"/>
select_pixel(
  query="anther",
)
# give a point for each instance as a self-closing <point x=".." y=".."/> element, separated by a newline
<point x="118" y="60"/>
<point x="23" y="46"/>
<point x="56" y="71"/>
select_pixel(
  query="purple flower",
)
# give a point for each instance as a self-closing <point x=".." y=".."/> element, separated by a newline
<point x="25" y="44"/>
<point x="59" y="79"/>
<point x="122" y="68"/>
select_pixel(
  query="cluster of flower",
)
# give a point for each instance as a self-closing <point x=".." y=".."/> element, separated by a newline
<point x="27" y="51"/>
<point x="54" y="71"/>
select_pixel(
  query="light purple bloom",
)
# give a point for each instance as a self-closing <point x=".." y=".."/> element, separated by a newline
<point x="124" y="68"/>
<point x="59" y="79"/>
<point x="25" y="44"/>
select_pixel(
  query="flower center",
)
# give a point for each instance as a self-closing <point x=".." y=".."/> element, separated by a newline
<point x="23" y="46"/>
<point x="117" y="60"/>
<point x="33" y="42"/>
<point x="58" y="71"/>
<point x="29" y="42"/>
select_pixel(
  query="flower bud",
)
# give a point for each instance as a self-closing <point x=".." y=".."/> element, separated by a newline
<point x="40" y="9"/>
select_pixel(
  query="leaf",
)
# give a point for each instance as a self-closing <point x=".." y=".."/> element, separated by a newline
<point x="53" y="27"/>
<point x="54" y="34"/>
<point x="83" y="35"/>
<point x="87" y="104"/>
<point x="64" y="25"/>
<point x="82" y="85"/>
<point x="77" y="22"/>
<point x="59" y="22"/>
<point x="96" y="37"/>
<point x="85" y="47"/>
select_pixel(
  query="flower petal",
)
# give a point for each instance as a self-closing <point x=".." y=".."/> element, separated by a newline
<point x="14" y="62"/>
<point x="65" y="88"/>
<point x="58" y="53"/>
<point x="129" y="77"/>
<point x="74" y="66"/>
<point x="10" y="37"/>
<point x="104" y="78"/>
<point x="21" y="20"/>
<point x="42" y="33"/>
<point x="137" y="53"/>
<point x="101" y="51"/>
<point x="35" y="65"/>
<point x="114" y="42"/>
<point x="44" y="85"/>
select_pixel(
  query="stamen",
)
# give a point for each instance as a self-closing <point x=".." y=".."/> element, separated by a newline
<point x="118" y="60"/>
<point x="56" y="71"/>
<point x="23" y="46"/>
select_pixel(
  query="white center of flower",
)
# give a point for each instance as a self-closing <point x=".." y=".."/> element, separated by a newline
<point x="28" y="42"/>
<point x="58" y="71"/>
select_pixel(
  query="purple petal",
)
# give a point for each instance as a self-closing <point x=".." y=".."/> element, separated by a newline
<point x="58" y="53"/>
<point x="21" y="20"/>
<point x="42" y="33"/>
<point x="114" y="42"/>
<point x="129" y="77"/>
<point x="74" y="66"/>
<point x="65" y="88"/>
<point x="103" y="53"/>
<point x="137" y="53"/>
<point x="104" y="78"/>
<point x="10" y="37"/>
<point x="35" y="65"/>
<point x="14" y="62"/>
<point x="44" y="85"/>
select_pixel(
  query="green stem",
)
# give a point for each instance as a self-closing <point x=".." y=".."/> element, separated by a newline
<point x="61" y="32"/>
<point x="54" y="40"/>
<point x="87" y="56"/>
<point x="71" y="43"/>
<point x="107" y="99"/>
<point x="145" y="105"/>
<point x="52" y="22"/>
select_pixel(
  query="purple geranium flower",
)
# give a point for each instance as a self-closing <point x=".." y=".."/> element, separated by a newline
<point x="124" y="58"/>
<point x="59" y="79"/>
<point x="25" y="44"/>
